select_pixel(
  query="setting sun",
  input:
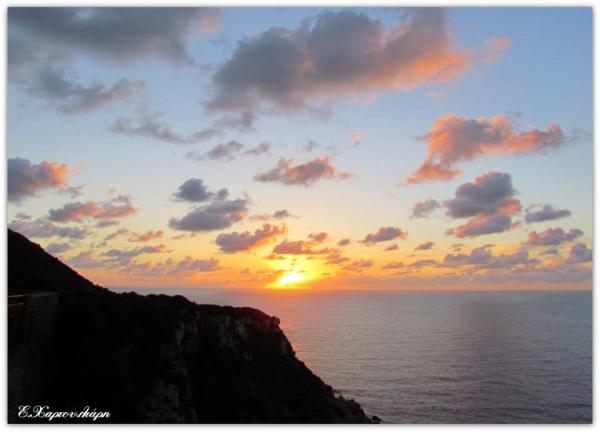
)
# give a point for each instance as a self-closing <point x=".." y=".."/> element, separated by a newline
<point x="291" y="278"/>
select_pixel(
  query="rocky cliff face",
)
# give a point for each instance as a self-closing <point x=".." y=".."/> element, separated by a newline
<point x="149" y="359"/>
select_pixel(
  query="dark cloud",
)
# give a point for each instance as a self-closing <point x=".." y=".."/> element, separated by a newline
<point x="546" y="213"/>
<point x="481" y="225"/>
<point x="423" y="263"/>
<point x="193" y="190"/>
<point x="553" y="237"/>
<point x="338" y="54"/>
<point x="300" y="247"/>
<point x="483" y="258"/>
<point x="335" y="258"/>
<point x="580" y="253"/>
<point x="67" y="95"/>
<point x="44" y="45"/>
<point x="384" y="234"/>
<point x="118" y="233"/>
<point x="259" y="149"/>
<point x="390" y="248"/>
<point x="146" y="237"/>
<point x="122" y="257"/>
<point x="25" y="179"/>
<point x="219" y="214"/>
<point x="122" y="34"/>
<point x="424" y="208"/>
<point x="304" y="174"/>
<point x="85" y="259"/>
<point x="43" y="228"/>
<point x="359" y="265"/>
<point x="319" y="237"/>
<point x="279" y="214"/>
<point x="56" y="248"/>
<point x="425" y="246"/>
<point x="106" y="223"/>
<point x="245" y="241"/>
<point x="186" y="266"/>
<point x="489" y="194"/>
<point x="226" y="151"/>
<point x="344" y="242"/>
<point x="393" y="265"/>
<point x="489" y="202"/>
<point x="454" y="139"/>
<point x="115" y="208"/>
<point x="150" y="125"/>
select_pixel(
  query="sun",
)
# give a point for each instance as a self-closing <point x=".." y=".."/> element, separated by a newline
<point x="290" y="278"/>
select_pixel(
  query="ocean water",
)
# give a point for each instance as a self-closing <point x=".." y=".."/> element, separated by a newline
<point x="440" y="357"/>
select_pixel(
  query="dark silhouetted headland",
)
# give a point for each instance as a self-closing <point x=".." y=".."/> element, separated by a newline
<point x="153" y="358"/>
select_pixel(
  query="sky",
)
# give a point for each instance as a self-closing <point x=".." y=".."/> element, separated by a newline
<point x="305" y="148"/>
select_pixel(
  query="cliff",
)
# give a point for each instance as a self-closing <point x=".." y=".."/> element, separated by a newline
<point x="154" y="358"/>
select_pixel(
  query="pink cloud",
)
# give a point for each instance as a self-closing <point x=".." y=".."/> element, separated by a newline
<point x="453" y="139"/>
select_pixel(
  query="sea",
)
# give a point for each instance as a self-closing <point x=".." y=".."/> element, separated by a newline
<point x="438" y="357"/>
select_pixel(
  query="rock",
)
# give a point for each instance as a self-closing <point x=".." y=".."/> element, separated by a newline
<point x="158" y="358"/>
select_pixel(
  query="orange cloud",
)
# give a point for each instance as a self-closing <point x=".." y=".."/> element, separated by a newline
<point x="454" y="139"/>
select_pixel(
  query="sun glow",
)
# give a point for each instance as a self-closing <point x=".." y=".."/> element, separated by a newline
<point x="292" y="277"/>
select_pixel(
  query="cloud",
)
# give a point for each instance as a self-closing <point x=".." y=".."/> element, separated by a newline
<point x="334" y="258"/>
<point x="319" y="237"/>
<point x="115" y="208"/>
<point x="124" y="256"/>
<point x="245" y="241"/>
<point x="122" y="34"/>
<point x="384" y="234"/>
<point x="147" y="236"/>
<point x="219" y="214"/>
<point x="424" y="208"/>
<point x="226" y="151"/>
<point x="425" y="246"/>
<point x="393" y="265"/>
<point x="580" y="253"/>
<point x="489" y="194"/>
<point x="85" y="259"/>
<point x="193" y="190"/>
<point x="344" y="242"/>
<point x="26" y="179"/>
<point x="67" y="95"/>
<point x="359" y="265"/>
<point x="186" y="266"/>
<point x="259" y="149"/>
<point x="356" y="138"/>
<point x="454" y="139"/>
<point x="489" y="202"/>
<point x="484" y="224"/>
<point x="56" y="248"/>
<point x="300" y="247"/>
<point x="43" y="228"/>
<point x="45" y="45"/>
<point x="552" y="237"/>
<point x="423" y="263"/>
<point x="118" y="233"/>
<point x="278" y="214"/>
<point x="311" y="145"/>
<point x="150" y="125"/>
<point x="304" y="174"/>
<point x="343" y="53"/>
<point x="545" y="214"/>
<point x="483" y="258"/>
